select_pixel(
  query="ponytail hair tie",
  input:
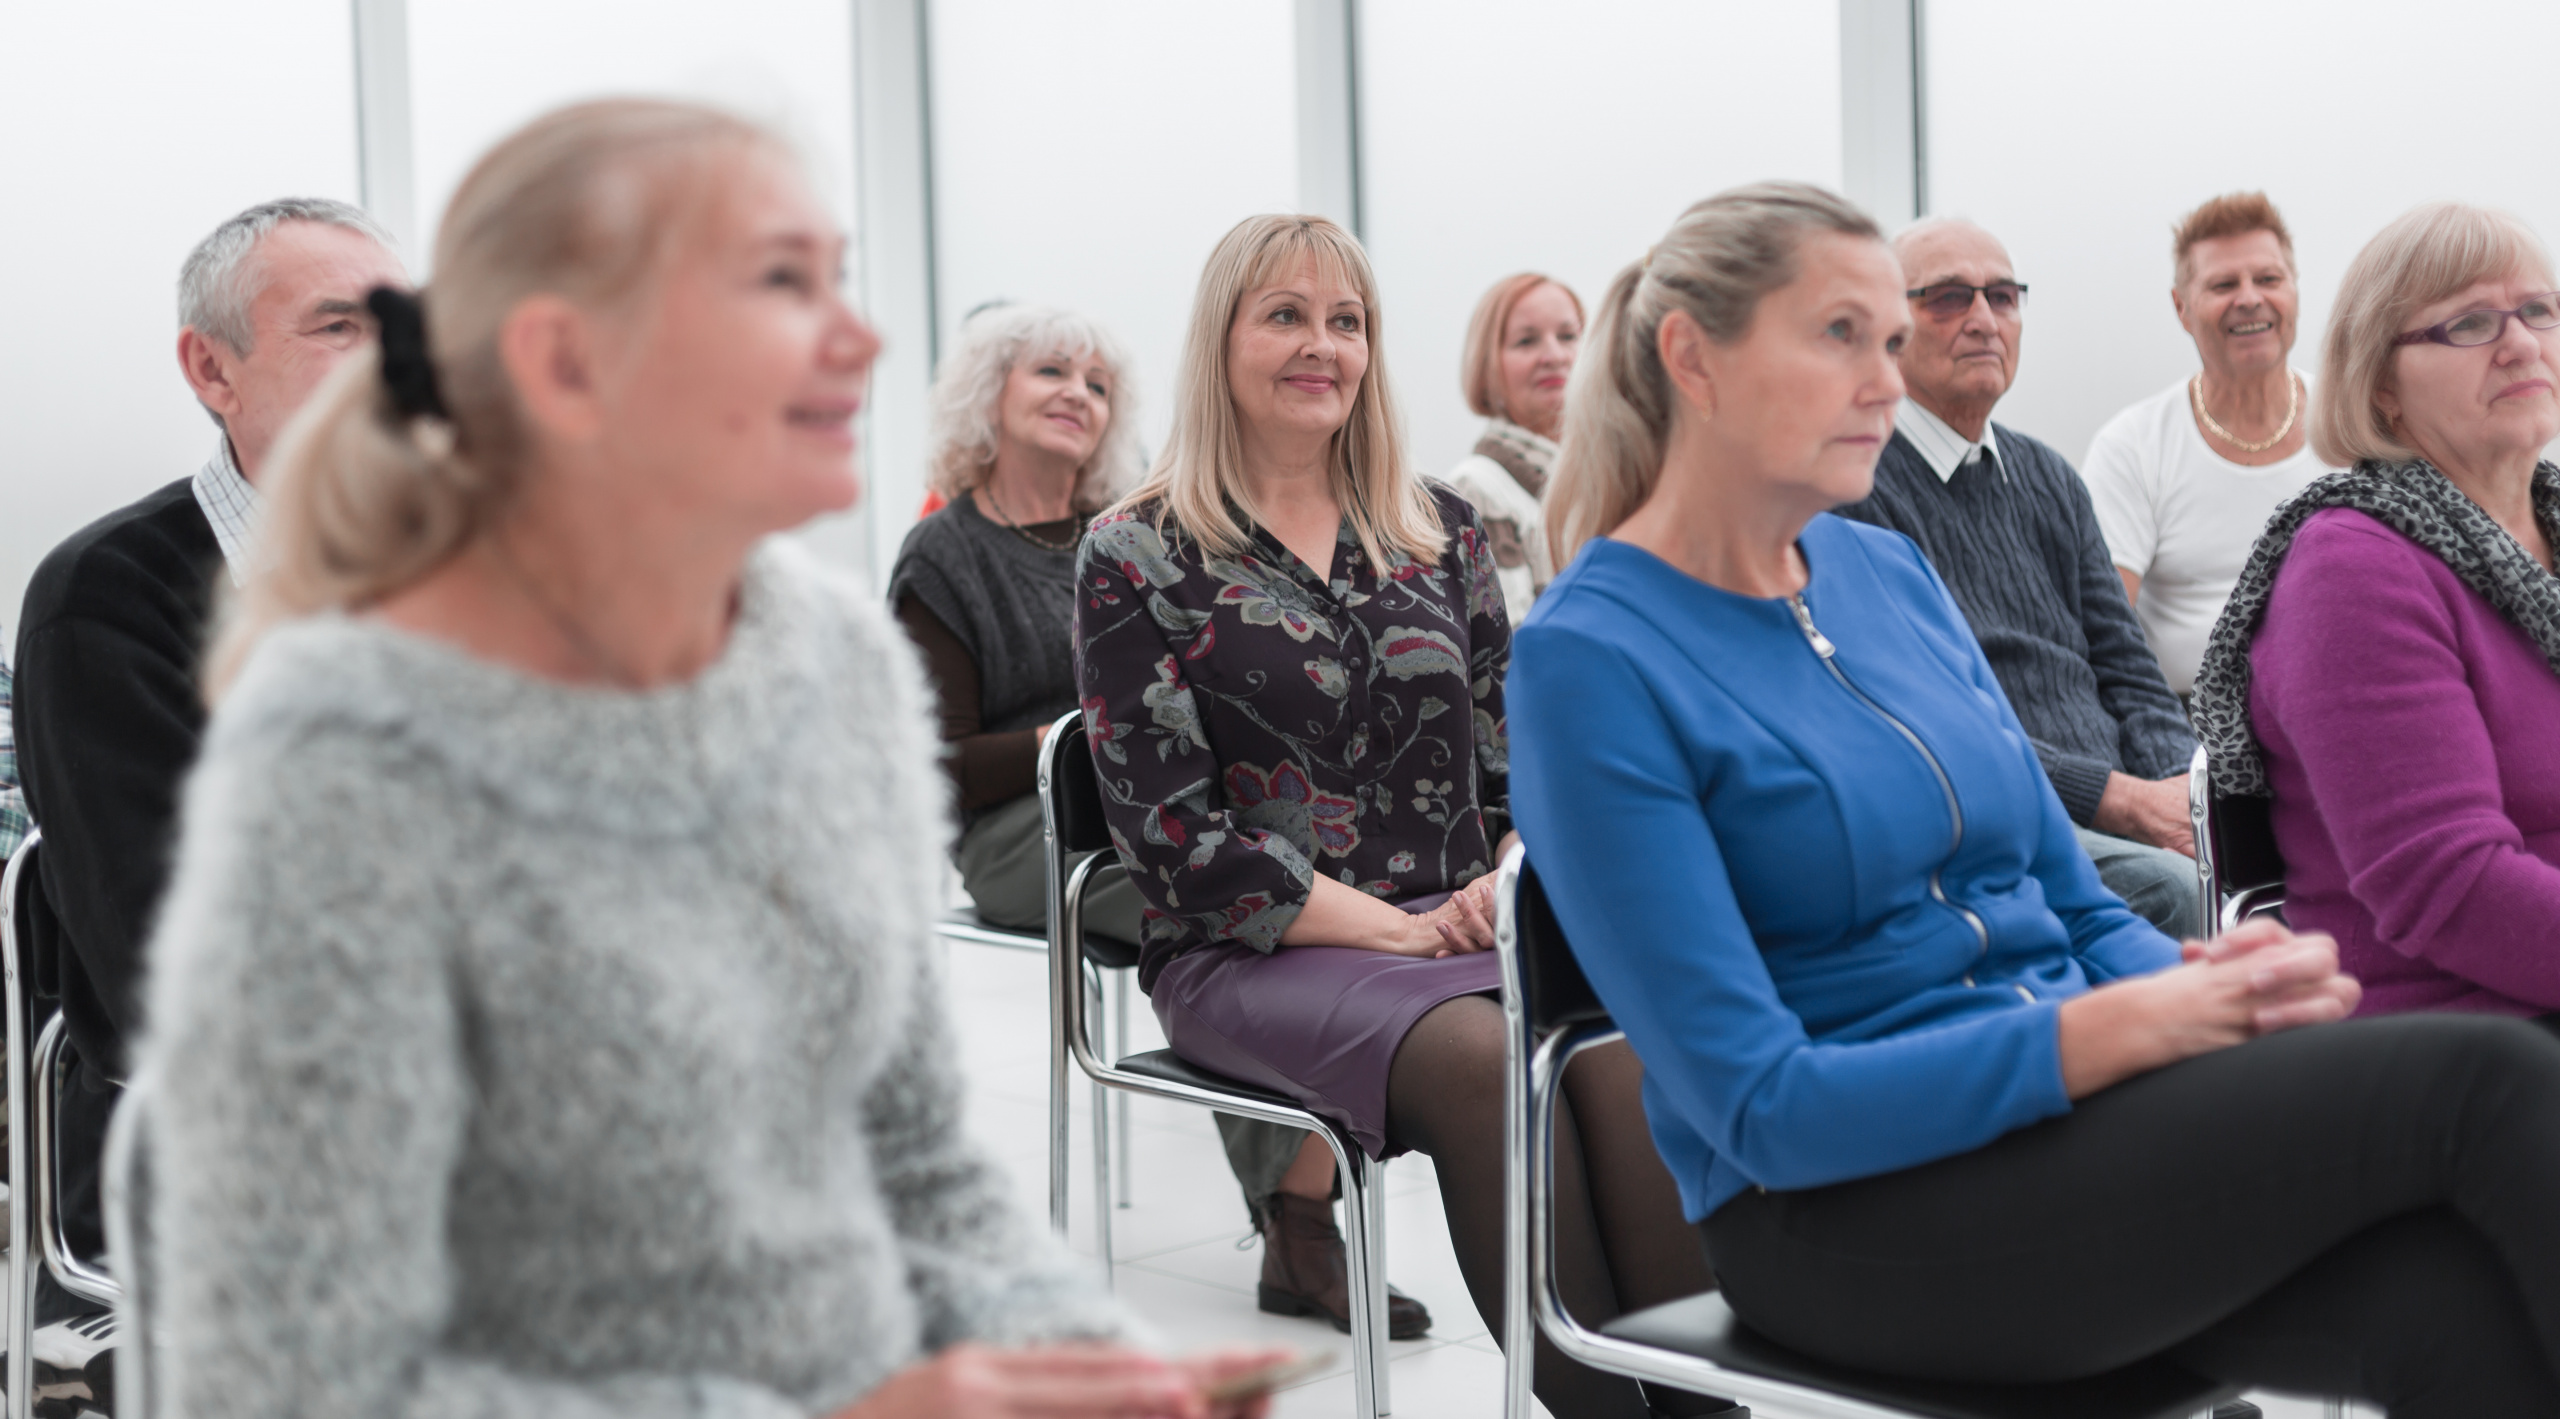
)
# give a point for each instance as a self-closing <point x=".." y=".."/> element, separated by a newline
<point x="407" y="373"/>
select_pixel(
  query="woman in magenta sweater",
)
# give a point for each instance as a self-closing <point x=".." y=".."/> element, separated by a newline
<point x="2386" y="669"/>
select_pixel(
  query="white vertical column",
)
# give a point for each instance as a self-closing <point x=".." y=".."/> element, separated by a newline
<point x="1884" y="110"/>
<point x="1329" y="110"/>
<point x="893" y="119"/>
<point x="384" y="160"/>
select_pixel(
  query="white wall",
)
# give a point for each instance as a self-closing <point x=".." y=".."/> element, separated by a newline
<point x="480" y="68"/>
<point x="1509" y="135"/>
<point x="1090" y="156"/>
<point x="2079" y="133"/>
<point x="124" y="138"/>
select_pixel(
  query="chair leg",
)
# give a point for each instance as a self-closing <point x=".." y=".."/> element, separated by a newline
<point x="1102" y="1182"/>
<point x="1057" y="1131"/>
<point x="2333" y="1409"/>
<point x="1364" y="1249"/>
<point x="1101" y="1132"/>
<point x="1120" y="1042"/>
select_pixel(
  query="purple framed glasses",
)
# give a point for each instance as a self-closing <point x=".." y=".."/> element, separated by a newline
<point x="2483" y="327"/>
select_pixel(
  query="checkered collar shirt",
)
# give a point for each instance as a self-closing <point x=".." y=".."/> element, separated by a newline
<point x="1942" y="448"/>
<point x="14" y="821"/>
<point x="231" y="505"/>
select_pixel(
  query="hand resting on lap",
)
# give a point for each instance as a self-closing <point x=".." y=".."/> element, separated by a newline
<point x="2257" y="980"/>
<point x="1339" y="915"/>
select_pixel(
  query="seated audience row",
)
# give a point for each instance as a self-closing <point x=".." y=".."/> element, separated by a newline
<point x="571" y="824"/>
<point x="1877" y="850"/>
<point x="1941" y="1104"/>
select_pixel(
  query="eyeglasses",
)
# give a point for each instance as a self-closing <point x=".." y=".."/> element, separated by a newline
<point x="2483" y="327"/>
<point x="1949" y="299"/>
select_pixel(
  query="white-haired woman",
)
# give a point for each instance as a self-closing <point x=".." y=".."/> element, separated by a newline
<point x="543" y="1014"/>
<point x="1942" y="1106"/>
<point x="1291" y="653"/>
<point x="1034" y="430"/>
<point x="2386" y="667"/>
<point x="1519" y="353"/>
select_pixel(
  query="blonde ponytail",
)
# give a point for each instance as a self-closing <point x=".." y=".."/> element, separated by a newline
<point x="1716" y="263"/>
<point x="360" y="500"/>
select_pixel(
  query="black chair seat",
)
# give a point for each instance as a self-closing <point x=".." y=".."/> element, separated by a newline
<point x="1109" y="952"/>
<point x="1705" y="1327"/>
<point x="1172" y="1068"/>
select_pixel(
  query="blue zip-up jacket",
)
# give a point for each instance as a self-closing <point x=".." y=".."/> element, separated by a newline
<point x="1832" y="899"/>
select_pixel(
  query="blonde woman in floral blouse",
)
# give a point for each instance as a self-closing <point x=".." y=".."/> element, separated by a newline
<point x="1290" y="651"/>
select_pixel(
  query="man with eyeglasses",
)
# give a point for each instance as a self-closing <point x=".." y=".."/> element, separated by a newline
<point x="2009" y="526"/>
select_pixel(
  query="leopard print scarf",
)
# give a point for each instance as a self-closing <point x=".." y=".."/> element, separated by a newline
<point x="2421" y="504"/>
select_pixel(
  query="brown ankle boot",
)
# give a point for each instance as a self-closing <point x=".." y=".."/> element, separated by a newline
<point x="1303" y="1273"/>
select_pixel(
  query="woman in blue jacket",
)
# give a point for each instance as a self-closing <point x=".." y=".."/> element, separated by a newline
<point x="1941" y="1104"/>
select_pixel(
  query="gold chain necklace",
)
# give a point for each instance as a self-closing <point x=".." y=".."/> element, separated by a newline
<point x="2292" y="411"/>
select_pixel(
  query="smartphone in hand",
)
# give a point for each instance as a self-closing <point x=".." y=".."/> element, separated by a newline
<point x="1263" y="1379"/>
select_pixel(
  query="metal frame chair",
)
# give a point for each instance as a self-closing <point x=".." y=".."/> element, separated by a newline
<point x="1697" y="1343"/>
<point x="1071" y="807"/>
<point x="2239" y="873"/>
<point x="36" y="1073"/>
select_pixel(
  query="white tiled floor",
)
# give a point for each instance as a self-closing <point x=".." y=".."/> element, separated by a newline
<point x="1176" y="1246"/>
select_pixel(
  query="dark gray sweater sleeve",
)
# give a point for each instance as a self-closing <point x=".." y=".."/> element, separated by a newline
<point x="2151" y="726"/>
<point x="2078" y="780"/>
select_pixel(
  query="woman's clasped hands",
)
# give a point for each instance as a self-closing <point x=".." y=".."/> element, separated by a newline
<point x="1462" y="924"/>
<point x="973" y="1381"/>
<point x="2257" y="979"/>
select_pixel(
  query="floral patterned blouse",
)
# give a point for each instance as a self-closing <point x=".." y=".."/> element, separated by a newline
<point x="1256" y="722"/>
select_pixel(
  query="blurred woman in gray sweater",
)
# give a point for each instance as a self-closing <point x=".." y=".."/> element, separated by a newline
<point x="543" y="1020"/>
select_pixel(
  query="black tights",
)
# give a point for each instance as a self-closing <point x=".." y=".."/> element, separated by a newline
<point x="2364" y="1209"/>
<point x="1621" y="1243"/>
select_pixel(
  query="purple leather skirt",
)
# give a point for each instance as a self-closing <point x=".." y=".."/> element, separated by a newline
<point x="1320" y="1024"/>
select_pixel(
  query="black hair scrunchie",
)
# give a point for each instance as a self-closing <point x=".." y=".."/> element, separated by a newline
<point x="406" y="371"/>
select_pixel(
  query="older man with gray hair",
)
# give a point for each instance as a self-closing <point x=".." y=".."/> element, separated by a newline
<point x="108" y="709"/>
<point x="2010" y="528"/>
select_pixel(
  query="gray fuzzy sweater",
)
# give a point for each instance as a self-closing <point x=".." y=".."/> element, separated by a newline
<point x="518" y="1049"/>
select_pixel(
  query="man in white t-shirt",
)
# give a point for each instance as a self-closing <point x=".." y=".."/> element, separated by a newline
<point x="2185" y="480"/>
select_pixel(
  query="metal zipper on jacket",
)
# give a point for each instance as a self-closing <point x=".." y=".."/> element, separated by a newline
<point x="1824" y="650"/>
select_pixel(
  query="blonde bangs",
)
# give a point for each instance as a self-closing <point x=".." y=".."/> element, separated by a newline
<point x="1198" y="482"/>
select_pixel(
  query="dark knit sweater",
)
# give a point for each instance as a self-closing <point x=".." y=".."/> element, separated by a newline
<point x="1011" y="605"/>
<point x="2024" y="558"/>
<point x="109" y="713"/>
